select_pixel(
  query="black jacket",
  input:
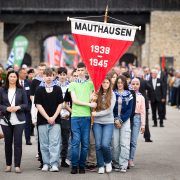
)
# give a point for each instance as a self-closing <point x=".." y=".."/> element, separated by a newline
<point x="157" y="94"/>
<point x="134" y="103"/>
<point x="144" y="85"/>
<point x="20" y="100"/>
<point x="27" y="85"/>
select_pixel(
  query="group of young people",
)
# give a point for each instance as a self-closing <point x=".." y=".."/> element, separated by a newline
<point x="62" y="111"/>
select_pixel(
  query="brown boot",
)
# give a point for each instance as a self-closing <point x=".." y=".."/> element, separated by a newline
<point x="1" y="136"/>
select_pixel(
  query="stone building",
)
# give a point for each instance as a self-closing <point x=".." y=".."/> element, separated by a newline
<point x="160" y="21"/>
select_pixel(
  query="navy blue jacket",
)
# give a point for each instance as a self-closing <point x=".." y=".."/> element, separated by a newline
<point x="27" y="85"/>
<point x="127" y="104"/>
<point x="20" y="100"/>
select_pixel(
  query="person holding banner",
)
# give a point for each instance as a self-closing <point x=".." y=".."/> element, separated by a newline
<point x="122" y="131"/>
<point x="104" y="124"/>
<point x="81" y="94"/>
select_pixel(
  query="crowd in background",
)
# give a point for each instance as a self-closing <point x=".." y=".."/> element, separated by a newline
<point x="124" y="84"/>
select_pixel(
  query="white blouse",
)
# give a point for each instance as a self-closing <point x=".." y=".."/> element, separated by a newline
<point x="13" y="118"/>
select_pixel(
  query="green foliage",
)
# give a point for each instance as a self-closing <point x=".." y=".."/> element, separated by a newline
<point x="2" y="78"/>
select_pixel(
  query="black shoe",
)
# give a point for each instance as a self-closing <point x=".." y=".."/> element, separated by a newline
<point x="91" y="168"/>
<point x="161" y="125"/>
<point x="32" y="134"/>
<point x="128" y="167"/>
<point x="81" y="170"/>
<point x="155" y="125"/>
<point x="165" y="119"/>
<point x="148" y="140"/>
<point x="74" y="170"/>
<point x="40" y="167"/>
<point x="64" y="164"/>
<point x="28" y="143"/>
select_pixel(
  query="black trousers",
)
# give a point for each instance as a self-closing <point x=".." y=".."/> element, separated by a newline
<point x="27" y="126"/>
<point x="174" y="96"/>
<point x="39" y="149"/>
<point x="159" y="105"/>
<point x="65" y="132"/>
<point x="9" y="132"/>
<point x="147" y="134"/>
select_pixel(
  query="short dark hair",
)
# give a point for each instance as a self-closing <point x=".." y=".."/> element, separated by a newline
<point x="48" y="72"/>
<point x="20" y="69"/>
<point x="81" y="65"/>
<point x="73" y="72"/>
<point x="42" y="64"/>
<point x="126" y="74"/>
<point x="62" y="70"/>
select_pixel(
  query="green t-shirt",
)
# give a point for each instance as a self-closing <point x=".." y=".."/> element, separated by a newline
<point x="82" y="91"/>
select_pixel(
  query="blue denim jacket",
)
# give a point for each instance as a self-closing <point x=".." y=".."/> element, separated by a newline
<point x="127" y="104"/>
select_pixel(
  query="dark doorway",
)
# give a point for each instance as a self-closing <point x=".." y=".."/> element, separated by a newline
<point x="27" y="60"/>
<point x="129" y="58"/>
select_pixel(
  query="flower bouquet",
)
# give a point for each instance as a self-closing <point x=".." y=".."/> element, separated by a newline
<point x="2" y="78"/>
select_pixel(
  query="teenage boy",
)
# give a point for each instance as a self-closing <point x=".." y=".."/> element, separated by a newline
<point x="65" y="123"/>
<point x="49" y="102"/>
<point x="35" y="83"/>
<point x="81" y="93"/>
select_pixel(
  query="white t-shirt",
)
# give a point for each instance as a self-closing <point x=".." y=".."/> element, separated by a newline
<point x="13" y="118"/>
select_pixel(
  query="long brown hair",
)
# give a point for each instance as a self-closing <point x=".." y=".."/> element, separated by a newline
<point x="108" y="97"/>
<point x="111" y="73"/>
<point x="123" y="79"/>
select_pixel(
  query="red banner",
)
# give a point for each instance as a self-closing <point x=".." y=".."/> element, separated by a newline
<point x="101" y="46"/>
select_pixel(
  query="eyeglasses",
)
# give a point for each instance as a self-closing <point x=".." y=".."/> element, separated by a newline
<point x="75" y="75"/>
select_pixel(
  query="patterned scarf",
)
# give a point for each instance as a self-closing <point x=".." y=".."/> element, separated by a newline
<point x="44" y="85"/>
<point x="79" y="81"/>
<point x="130" y="86"/>
<point x="61" y="85"/>
<point x="138" y="93"/>
<point x="39" y="78"/>
<point x="125" y="93"/>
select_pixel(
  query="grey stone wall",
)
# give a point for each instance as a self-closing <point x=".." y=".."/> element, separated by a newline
<point x="164" y="37"/>
<point x="3" y="46"/>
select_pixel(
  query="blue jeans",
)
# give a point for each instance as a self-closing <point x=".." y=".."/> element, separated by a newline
<point x="121" y="145"/>
<point x="49" y="137"/>
<point x="135" y="133"/>
<point x="80" y="127"/>
<point x="103" y="134"/>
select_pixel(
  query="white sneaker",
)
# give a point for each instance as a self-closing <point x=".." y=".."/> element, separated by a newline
<point x="54" y="169"/>
<point x="101" y="170"/>
<point x="37" y="155"/>
<point x="108" y="167"/>
<point x="59" y="162"/>
<point x="123" y="170"/>
<point x="68" y="162"/>
<point x="45" y="168"/>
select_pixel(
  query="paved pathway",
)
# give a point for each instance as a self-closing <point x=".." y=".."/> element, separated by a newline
<point x="159" y="160"/>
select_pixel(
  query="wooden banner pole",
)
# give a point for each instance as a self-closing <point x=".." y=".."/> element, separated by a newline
<point x="105" y="20"/>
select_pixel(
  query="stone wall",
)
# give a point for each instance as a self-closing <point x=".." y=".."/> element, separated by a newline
<point x="3" y="46"/>
<point x="164" y="37"/>
<point x="145" y="47"/>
